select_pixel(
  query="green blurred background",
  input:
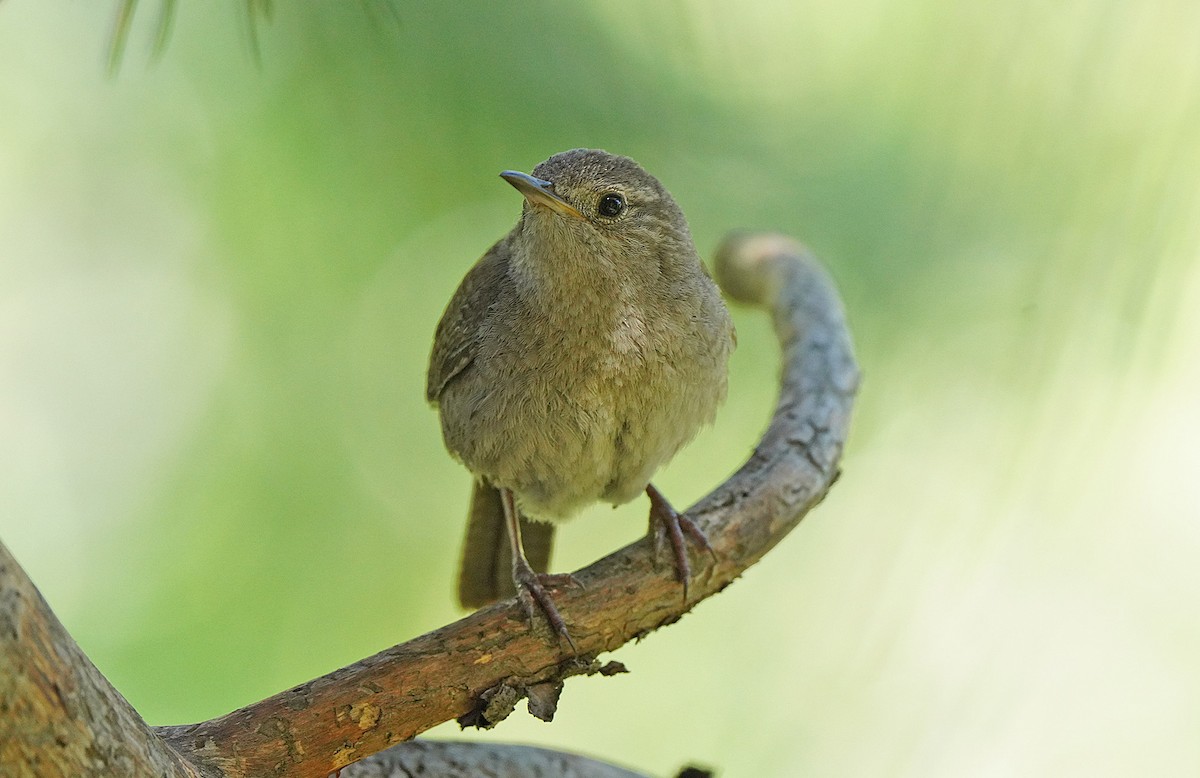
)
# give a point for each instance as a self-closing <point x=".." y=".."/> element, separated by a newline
<point x="219" y="282"/>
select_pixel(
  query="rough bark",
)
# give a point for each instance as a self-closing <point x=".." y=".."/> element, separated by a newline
<point x="479" y="760"/>
<point x="478" y="668"/>
<point x="58" y="714"/>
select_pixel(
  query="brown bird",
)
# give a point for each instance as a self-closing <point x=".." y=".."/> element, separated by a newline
<point x="577" y="356"/>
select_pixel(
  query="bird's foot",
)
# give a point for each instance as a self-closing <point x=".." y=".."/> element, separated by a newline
<point x="666" y="522"/>
<point x="531" y="591"/>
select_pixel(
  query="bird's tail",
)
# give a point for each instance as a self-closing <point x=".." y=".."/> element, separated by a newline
<point x="485" y="574"/>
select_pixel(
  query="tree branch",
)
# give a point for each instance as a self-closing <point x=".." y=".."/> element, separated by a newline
<point x="58" y="714"/>
<point x="443" y="759"/>
<point x="478" y="668"/>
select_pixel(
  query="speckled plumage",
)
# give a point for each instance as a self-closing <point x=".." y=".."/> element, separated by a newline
<point x="579" y="354"/>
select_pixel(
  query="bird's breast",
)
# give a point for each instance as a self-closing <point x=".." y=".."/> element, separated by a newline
<point x="582" y="402"/>
<point x="629" y="333"/>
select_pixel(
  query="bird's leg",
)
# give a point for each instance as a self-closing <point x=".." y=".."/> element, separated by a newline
<point x="531" y="586"/>
<point x="665" y="520"/>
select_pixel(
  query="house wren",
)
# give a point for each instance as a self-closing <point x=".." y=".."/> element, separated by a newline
<point x="577" y="356"/>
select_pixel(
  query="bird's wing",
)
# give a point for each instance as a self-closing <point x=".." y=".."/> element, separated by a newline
<point x="457" y="339"/>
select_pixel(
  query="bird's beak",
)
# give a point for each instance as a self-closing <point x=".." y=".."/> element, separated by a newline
<point x="539" y="192"/>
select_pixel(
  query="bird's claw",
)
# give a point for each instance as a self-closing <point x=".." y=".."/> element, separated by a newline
<point x="531" y="591"/>
<point x="667" y="522"/>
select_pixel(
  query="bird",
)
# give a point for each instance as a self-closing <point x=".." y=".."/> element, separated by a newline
<point x="576" y="357"/>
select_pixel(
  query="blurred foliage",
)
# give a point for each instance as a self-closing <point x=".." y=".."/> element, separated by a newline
<point x="219" y="282"/>
<point x="255" y="12"/>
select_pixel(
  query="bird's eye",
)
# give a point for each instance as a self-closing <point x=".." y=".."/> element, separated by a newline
<point x="611" y="205"/>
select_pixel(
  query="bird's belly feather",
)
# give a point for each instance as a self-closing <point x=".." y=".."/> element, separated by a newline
<point x="584" y="432"/>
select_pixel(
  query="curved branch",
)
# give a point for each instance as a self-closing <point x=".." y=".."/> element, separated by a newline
<point x="478" y="668"/>
<point x="462" y="670"/>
